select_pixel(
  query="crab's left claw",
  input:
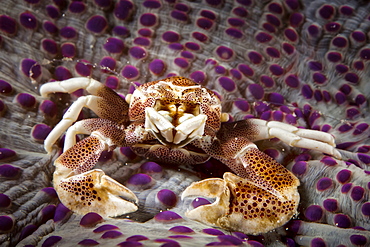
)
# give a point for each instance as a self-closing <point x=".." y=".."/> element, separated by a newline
<point x="240" y="205"/>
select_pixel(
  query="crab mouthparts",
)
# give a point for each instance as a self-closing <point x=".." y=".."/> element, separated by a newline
<point x="189" y="127"/>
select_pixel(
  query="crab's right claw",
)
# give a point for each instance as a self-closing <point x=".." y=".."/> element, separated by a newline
<point x="85" y="191"/>
<point x="240" y="205"/>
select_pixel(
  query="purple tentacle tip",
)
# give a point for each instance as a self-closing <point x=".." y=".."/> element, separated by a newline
<point x="167" y="216"/>
<point x="91" y="219"/>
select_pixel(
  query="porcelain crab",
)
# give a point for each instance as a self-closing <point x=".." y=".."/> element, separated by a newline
<point x="177" y="121"/>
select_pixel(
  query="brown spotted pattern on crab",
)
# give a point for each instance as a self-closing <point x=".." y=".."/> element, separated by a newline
<point x="177" y="121"/>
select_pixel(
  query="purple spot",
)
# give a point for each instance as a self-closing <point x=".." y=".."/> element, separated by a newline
<point x="50" y="191"/>
<point x="296" y="19"/>
<point x="123" y="31"/>
<point x="332" y="27"/>
<point x="276" y="98"/>
<point x="5" y="88"/>
<point x="246" y="70"/>
<point x="170" y="37"/>
<point x="236" y="74"/>
<point x="257" y="91"/>
<point x="230" y="239"/>
<point x="346" y="187"/>
<point x="142" y="41"/>
<point x="224" y="53"/>
<point x="255" y="57"/>
<point x="111" y="234"/>
<point x="138" y="52"/>
<point x="68" y="32"/>
<point x="276" y="69"/>
<point x="139" y="179"/>
<point x="352" y="77"/>
<point x="167" y="216"/>
<point x="91" y="220"/>
<point x="299" y="168"/>
<point x="314" y="213"/>
<point x="360" y="99"/>
<point x="107" y="64"/>
<point x="83" y="68"/>
<point x="136" y="238"/>
<point x="4" y="200"/>
<point x="269" y="28"/>
<point x="361" y="128"/>
<point x="364" y="158"/>
<point x="97" y="24"/>
<point x="263" y="37"/>
<point x="266" y="115"/>
<point x="61" y="212"/>
<point x="315" y="66"/>
<point x="272" y="19"/>
<point x="51" y="241"/>
<point x="342" y="221"/>
<point x="288" y="48"/>
<point x="330" y="205"/>
<point x="192" y="46"/>
<point x="30" y="68"/>
<point x="359" y="240"/>
<point x="182" y="7"/>
<point x="167" y="197"/>
<point x="313" y="30"/>
<point x="240" y="11"/>
<point x="358" y="36"/>
<point x="365" y="54"/>
<point x="346" y="10"/>
<point x="365" y="209"/>
<point x="317" y="242"/>
<point x="204" y="23"/>
<point x="130" y="244"/>
<point x="26" y="100"/>
<point x="236" y="22"/>
<point x="359" y="65"/>
<point x="157" y="67"/>
<point x="50" y="27"/>
<point x="199" y="36"/>
<point x="8" y="25"/>
<point x="180" y="236"/>
<point x="220" y="70"/>
<point x="28" y="20"/>
<point x="275" y="8"/>
<point x="326" y="11"/>
<point x="52" y="11"/>
<point x="318" y="95"/>
<point x="130" y="72"/>
<point x="329" y="161"/>
<point x="48" y="213"/>
<point x="105" y="228"/>
<point x="227" y="84"/>
<point x="6" y="223"/>
<point x="27" y="230"/>
<point x="197" y="202"/>
<point x="112" y="82"/>
<point x="352" y="113"/>
<point x="198" y="76"/>
<point x="148" y="20"/>
<point x="267" y="81"/>
<point x="114" y="45"/>
<point x="187" y="54"/>
<point x="292" y="81"/>
<point x="340" y="42"/>
<point x="77" y="7"/>
<point x="176" y="46"/>
<point x="68" y="50"/>
<point x="123" y="10"/>
<point x="88" y="242"/>
<point x="277" y="116"/>
<point x="334" y="57"/>
<point x="49" y="46"/>
<point x="291" y="34"/>
<point x="273" y="52"/>
<point x="181" y="230"/>
<point x="182" y="63"/>
<point x="341" y="68"/>
<point x="40" y="131"/>
<point x="357" y="193"/>
<point x="212" y="231"/>
<point x="152" y="4"/>
<point x="307" y="91"/>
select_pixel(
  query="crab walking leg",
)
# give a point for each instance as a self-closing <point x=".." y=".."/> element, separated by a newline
<point x="69" y="118"/>
<point x="85" y="126"/>
<point x="296" y="137"/>
<point x="104" y="102"/>
<point x="83" y="190"/>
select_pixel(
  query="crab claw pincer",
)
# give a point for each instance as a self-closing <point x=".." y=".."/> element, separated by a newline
<point x="240" y="205"/>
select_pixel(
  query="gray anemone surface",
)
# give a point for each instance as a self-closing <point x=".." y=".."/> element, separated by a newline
<point x="301" y="62"/>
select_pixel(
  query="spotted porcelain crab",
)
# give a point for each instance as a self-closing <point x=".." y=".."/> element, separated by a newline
<point x="177" y="121"/>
